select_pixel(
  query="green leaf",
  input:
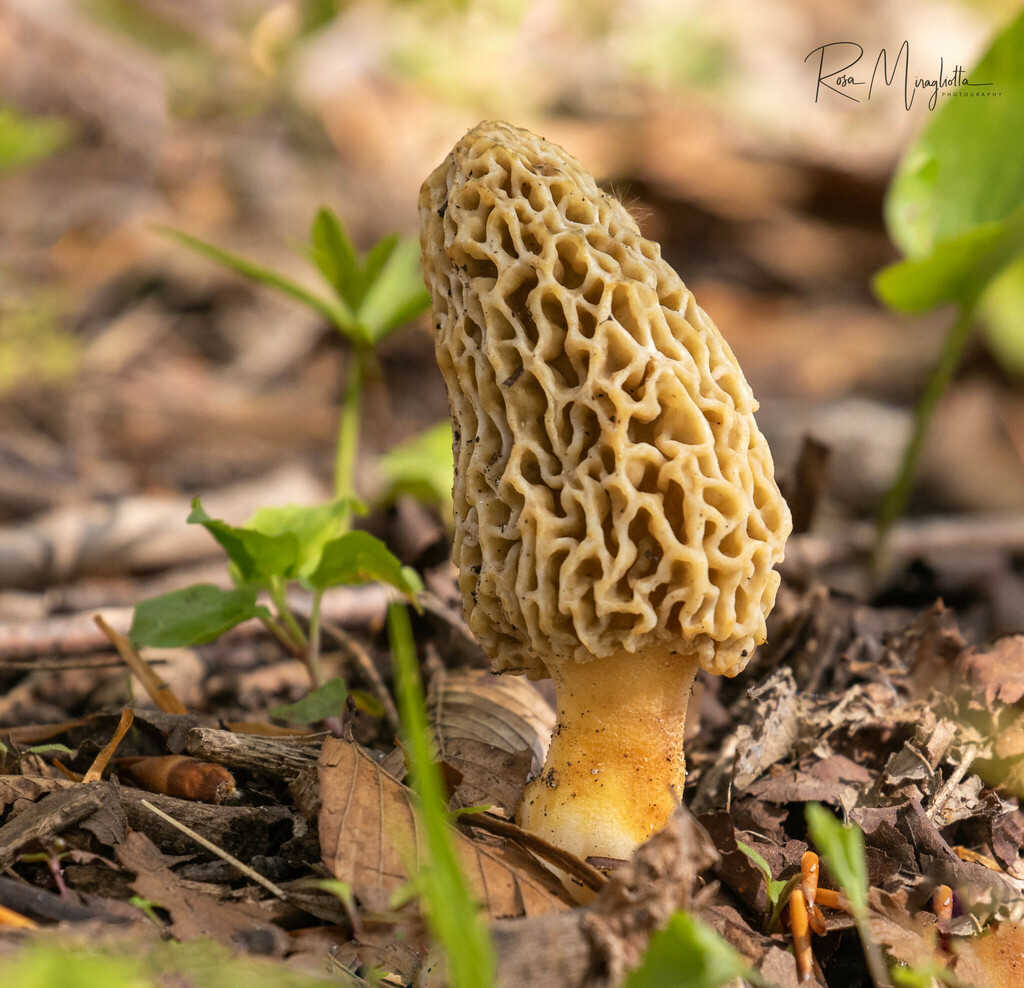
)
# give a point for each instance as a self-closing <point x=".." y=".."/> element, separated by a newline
<point x="843" y="850"/>
<point x="192" y="616"/>
<point x="334" y="254"/>
<point x="317" y="705"/>
<point x="330" y="309"/>
<point x="46" y="965"/>
<point x="358" y="557"/>
<point x="452" y="915"/>
<point x="377" y="256"/>
<point x="924" y="976"/>
<point x="396" y="294"/>
<point x="313" y="526"/>
<point x="757" y="859"/>
<point x="257" y="556"/>
<point x="342" y="890"/>
<point x="687" y="954"/>
<point x="367" y="703"/>
<point x="423" y="467"/>
<point x="49" y="749"/>
<point x="966" y="168"/>
<point x="957" y="270"/>
<point x="773" y="888"/>
<point x="27" y="139"/>
<point x="1002" y="311"/>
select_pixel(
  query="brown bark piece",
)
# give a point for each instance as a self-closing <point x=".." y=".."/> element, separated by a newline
<point x="269" y="757"/>
<point x="242" y="831"/>
<point x="58" y="812"/>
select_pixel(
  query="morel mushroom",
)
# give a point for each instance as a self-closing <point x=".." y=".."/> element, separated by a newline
<point x="617" y="517"/>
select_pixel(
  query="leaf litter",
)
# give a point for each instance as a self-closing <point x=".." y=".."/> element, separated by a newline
<point x="909" y="732"/>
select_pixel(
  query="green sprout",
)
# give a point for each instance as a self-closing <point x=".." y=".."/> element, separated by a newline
<point x="955" y="209"/>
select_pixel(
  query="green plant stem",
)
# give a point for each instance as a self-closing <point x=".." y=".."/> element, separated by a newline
<point x="896" y="497"/>
<point x="275" y="628"/>
<point x="285" y="616"/>
<point x="872" y="954"/>
<point x="348" y="434"/>
<point x="313" y="648"/>
<point x="453" y="916"/>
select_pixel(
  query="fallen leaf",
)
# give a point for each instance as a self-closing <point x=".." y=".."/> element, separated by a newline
<point x="489" y="776"/>
<point x="775" y="729"/>
<point x="370" y="837"/>
<point x="999" y="671"/>
<point x="505" y="712"/>
<point x="195" y="913"/>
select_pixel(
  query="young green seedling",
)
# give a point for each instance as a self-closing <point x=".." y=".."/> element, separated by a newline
<point x="954" y="209"/>
<point x="369" y="297"/>
<point x="310" y="547"/>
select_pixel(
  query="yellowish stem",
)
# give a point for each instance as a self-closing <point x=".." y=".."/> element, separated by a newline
<point x="615" y="769"/>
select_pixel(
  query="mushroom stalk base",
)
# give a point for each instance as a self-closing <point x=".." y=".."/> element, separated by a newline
<point x="615" y="768"/>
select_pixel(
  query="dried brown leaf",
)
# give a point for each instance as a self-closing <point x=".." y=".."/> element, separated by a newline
<point x="775" y="729"/>
<point x="908" y="936"/>
<point x="14" y="788"/>
<point x="371" y="838"/>
<point x="998" y="672"/>
<point x="489" y="776"/>
<point x="505" y="712"/>
<point x="195" y="913"/>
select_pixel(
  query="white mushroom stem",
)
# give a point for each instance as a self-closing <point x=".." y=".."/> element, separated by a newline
<point x="615" y="769"/>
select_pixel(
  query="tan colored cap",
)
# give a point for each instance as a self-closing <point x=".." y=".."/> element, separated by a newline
<point x="612" y="491"/>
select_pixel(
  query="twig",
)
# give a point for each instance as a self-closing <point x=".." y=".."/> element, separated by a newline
<point x="946" y="790"/>
<point x="12" y="919"/>
<point x="569" y="863"/>
<point x="95" y="772"/>
<point x="159" y="691"/>
<point x="77" y="634"/>
<point x="269" y="757"/>
<point x="249" y="873"/>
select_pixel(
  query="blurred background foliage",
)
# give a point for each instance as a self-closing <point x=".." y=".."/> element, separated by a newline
<point x="129" y="364"/>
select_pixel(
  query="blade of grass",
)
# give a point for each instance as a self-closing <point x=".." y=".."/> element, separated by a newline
<point x="451" y="912"/>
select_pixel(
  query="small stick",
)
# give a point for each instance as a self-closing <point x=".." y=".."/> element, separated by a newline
<point x="970" y="753"/>
<point x="160" y="693"/>
<point x="569" y="863"/>
<point x="272" y="758"/>
<point x="249" y="873"/>
<point x="95" y="772"/>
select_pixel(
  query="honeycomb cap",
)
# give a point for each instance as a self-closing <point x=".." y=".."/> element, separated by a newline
<point x="612" y="491"/>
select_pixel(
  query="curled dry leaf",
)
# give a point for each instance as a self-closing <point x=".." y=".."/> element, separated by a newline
<point x="506" y="712"/>
<point x="371" y="838"/>
<point x="494" y="730"/>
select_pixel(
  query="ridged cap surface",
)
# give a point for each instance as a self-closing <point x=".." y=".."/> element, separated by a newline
<point x="612" y="490"/>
